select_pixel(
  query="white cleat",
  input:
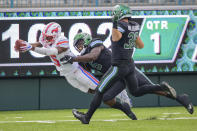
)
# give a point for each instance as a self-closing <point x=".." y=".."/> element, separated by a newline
<point x="124" y="98"/>
<point x="170" y="90"/>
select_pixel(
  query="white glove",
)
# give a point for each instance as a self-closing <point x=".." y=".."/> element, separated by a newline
<point x="25" y="46"/>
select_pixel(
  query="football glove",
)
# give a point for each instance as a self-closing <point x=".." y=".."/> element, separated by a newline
<point x="115" y="21"/>
<point x="22" y="46"/>
<point x="67" y="59"/>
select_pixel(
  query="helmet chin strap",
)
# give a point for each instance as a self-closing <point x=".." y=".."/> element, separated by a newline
<point x="83" y="50"/>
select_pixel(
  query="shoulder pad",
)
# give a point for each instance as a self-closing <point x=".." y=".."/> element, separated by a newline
<point x="62" y="42"/>
<point x="96" y="43"/>
<point x="62" y="38"/>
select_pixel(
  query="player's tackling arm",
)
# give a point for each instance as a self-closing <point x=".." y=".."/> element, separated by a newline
<point x="93" y="55"/>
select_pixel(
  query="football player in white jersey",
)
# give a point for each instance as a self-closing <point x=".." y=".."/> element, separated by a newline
<point x="52" y="44"/>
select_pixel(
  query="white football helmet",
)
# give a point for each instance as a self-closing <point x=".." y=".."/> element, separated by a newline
<point x="51" y="32"/>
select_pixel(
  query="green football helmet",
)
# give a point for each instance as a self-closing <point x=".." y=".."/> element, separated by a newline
<point x="82" y="36"/>
<point x="121" y="11"/>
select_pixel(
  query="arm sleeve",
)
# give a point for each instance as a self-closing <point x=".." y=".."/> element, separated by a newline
<point x="121" y="27"/>
<point x="46" y="51"/>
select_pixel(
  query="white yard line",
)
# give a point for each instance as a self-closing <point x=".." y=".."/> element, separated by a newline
<point x="173" y="113"/>
<point x="179" y="118"/>
<point x="37" y="121"/>
<point x="108" y="120"/>
<point x="18" y="117"/>
<point x="54" y="121"/>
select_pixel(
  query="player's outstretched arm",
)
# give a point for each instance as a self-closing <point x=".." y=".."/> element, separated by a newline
<point x="116" y="34"/>
<point x="23" y="46"/>
<point x="93" y="55"/>
<point x="37" y="44"/>
<point x="49" y="51"/>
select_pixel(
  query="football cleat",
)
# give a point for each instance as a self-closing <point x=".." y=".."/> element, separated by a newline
<point x="168" y="89"/>
<point x="131" y="115"/>
<point x="184" y="100"/>
<point x="79" y="112"/>
<point x="124" y="98"/>
<point x="80" y="116"/>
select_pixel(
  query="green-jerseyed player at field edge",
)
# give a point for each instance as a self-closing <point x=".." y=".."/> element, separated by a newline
<point x="125" y="37"/>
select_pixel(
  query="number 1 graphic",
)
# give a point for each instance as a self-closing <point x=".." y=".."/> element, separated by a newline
<point x="156" y="39"/>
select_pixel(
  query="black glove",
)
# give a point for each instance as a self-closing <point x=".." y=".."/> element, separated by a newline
<point x="115" y="24"/>
<point x="67" y="59"/>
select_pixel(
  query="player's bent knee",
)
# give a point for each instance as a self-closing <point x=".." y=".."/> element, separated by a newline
<point x="107" y="97"/>
<point x="110" y="102"/>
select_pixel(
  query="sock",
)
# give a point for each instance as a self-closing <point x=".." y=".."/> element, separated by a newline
<point x="125" y="108"/>
<point x="161" y="93"/>
<point x="170" y="97"/>
<point x="96" y="102"/>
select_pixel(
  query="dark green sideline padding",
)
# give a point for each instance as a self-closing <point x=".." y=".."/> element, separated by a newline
<point x="19" y="94"/>
<point x="182" y="84"/>
<point x="56" y="93"/>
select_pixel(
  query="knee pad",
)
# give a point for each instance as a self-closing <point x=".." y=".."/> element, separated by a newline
<point x="106" y="97"/>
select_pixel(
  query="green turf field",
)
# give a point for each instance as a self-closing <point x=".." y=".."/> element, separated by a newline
<point x="149" y="119"/>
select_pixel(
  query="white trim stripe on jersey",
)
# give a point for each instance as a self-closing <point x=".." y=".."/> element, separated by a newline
<point x="95" y="42"/>
<point x="107" y="79"/>
<point x="90" y="76"/>
<point x="121" y="29"/>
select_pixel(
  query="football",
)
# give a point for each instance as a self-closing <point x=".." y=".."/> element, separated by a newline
<point x="18" y="44"/>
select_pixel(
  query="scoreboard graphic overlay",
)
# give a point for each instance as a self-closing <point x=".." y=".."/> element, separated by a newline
<point x="168" y="45"/>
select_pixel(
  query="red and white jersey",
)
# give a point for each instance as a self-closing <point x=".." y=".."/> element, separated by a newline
<point x="62" y="41"/>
